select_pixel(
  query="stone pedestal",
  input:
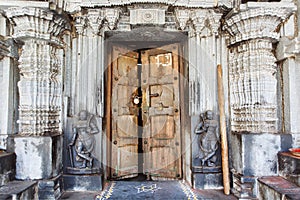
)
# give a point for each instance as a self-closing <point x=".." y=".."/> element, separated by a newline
<point x="38" y="157"/>
<point x="51" y="188"/>
<point x="207" y="178"/>
<point x="83" y="182"/>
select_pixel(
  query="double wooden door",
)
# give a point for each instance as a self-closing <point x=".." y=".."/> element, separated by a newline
<point x="146" y="113"/>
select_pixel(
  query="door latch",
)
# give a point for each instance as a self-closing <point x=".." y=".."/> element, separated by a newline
<point x="154" y="95"/>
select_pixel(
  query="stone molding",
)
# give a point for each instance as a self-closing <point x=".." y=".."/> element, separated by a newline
<point x="76" y="5"/>
<point x="252" y="66"/>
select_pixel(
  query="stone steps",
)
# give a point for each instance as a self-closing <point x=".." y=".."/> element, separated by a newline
<point x="18" y="190"/>
<point x="277" y="188"/>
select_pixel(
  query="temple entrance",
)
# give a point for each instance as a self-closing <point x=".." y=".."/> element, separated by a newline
<point x="145" y="112"/>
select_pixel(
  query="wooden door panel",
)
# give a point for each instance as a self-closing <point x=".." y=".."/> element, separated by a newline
<point x="163" y="162"/>
<point x="124" y="157"/>
<point x="126" y="160"/>
<point x="162" y="127"/>
<point x="127" y="127"/>
<point x="165" y="96"/>
<point x="124" y="96"/>
<point x="160" y="85"/>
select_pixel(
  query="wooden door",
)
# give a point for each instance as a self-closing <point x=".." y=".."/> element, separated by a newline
<point x="161" y="112"/>
<point x="124" y="155"/>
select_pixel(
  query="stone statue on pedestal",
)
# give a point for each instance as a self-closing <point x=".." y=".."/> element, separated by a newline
<point x="208" y="139"/>
<point x="83" y="140"/>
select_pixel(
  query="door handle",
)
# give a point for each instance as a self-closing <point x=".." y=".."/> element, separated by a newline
<point x="154" y="95"/>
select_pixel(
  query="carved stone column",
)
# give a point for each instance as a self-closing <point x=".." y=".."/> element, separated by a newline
<point x="253" y="93"/>
<point x="204" y="44"/>
<point x="88" y="87"/>
<point x="38" y="144"/>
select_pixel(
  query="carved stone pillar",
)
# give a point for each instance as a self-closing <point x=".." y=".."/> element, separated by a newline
<point x="202" y="57"/>
<point x="253" y="93"/>
<point x="88" y="88"/>
<point x="204" y="44"/>
<point x="38" y="144"/>
<point x="288" y="54"/>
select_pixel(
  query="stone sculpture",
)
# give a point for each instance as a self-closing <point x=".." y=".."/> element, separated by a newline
<point x="208" y="139"/>
<point x="83" y="140"/>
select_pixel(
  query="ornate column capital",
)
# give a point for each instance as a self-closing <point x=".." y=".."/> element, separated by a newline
<point x="257" y="22"/>
<point x="111" y="15"/>
<point x="95" y="19"/>
<point x="37" y="23"/>
<point x="206" y="22"/>
<point x="182" y="16"/>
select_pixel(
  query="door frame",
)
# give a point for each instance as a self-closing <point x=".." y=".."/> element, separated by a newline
<point x="183" y="96"/>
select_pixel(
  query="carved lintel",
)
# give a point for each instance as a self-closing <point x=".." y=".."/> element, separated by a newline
<point x="206" y="22"/>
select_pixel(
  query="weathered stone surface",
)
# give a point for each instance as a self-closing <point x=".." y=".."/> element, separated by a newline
<point x="256" y="156"/>
<point x="208" y="180"/>
<point x="38" y="157"/>
<point x="51" y="188"/>
<point x="19" y="190"/>
<point x="289" y="167"/>
<point x="83" y="182"/>
<point x="7" y="167"/>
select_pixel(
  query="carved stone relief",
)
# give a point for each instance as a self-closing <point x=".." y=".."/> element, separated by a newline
<point x="147" y="16"/>
<point x="82" y="144"/>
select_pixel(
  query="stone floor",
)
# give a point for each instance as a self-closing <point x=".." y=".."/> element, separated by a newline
<point x="128" y="190"/>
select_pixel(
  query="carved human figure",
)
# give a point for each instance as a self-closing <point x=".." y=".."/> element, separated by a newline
<point x="208" y="139"/>
<point x="83" y="139"/>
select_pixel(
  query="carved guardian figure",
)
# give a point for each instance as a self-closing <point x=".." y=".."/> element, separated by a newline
<point x="83" y="139"/>
<point x="208" y="139"/>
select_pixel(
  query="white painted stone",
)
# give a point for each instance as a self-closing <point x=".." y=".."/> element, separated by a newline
<point x="34" y="157"/>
